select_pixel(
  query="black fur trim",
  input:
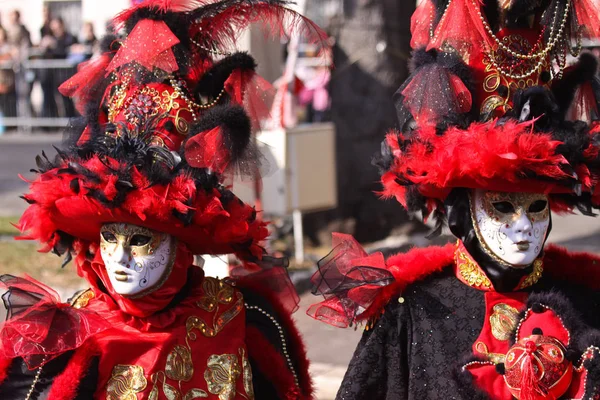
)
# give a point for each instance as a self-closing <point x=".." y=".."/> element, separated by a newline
<point x="500" y="368"/>
<point x="560" y="305"/>
<point x="464" y="379"/>
<point x="213" y="80"/>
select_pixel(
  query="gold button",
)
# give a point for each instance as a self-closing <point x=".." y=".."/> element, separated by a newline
<point x="400" y="300"/>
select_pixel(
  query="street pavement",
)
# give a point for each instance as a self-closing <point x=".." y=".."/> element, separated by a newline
<point x="329" y="348"/>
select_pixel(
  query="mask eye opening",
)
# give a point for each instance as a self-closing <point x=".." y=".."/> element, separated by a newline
<point x="139" y="240"/>
<point x="504" y="207"/>
<point x="109" y="237"/>
<point x="538" y="206"/>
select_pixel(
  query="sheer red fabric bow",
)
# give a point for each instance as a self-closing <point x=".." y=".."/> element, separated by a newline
<point x="38" y="326"/>
<point x="269" y="275"/>
<point x="434" y="92"/>
<point x="350" y="280"/>
<point x="207" y="150"/>
<point x="149" y="44"/>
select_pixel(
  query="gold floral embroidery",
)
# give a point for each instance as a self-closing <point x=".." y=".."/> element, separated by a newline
<point x="82" y="299"/>
<point x="179" y="364"/>
<point x="503" y="321"/>
<point x="222" y="374"/>
<point x="470" y="271"/>
<point x="496" y="358"/>
<point x="248" y="387"/>
<point x="171" y="392"/>
<point x="125" y="382"/>
<point x="215" y="292"/>
<point x="219" y="320"/>
<point x="536" y="274"/>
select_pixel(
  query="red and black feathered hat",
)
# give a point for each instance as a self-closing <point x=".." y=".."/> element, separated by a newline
<point x="491" y="104"/>
<point x="167" y="117"/>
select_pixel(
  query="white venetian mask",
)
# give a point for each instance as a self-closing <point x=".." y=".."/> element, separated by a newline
<point x="511" y="226"/>
<point x="137" y="259"/>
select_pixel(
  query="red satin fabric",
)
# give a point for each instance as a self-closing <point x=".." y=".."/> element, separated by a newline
<point x="161" y="339"/>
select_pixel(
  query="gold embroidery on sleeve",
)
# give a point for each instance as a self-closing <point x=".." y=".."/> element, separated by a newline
<point x="125" y="382"/>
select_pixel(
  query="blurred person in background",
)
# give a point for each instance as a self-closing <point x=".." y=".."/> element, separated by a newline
<point x="84" y="50"/>
<point x="315" y="95"/>
<point x="17" y="33"/>
<point x="46" y="17"/>
<point x="8" y="97"/>
<point x="56" y="45"/>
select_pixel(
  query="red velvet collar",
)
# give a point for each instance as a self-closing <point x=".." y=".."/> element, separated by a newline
<point x="468" y="271"/>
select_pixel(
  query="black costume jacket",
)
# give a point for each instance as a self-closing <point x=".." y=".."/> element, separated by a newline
<point x="442" y="313"/>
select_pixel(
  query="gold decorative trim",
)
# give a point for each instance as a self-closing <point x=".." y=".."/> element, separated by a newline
<point x="503" y="321"/>
<point x="496" y="358"/>
<point x="82" y="299"/>
<point x="470" y="271"/>
<point x="534" y="276"/>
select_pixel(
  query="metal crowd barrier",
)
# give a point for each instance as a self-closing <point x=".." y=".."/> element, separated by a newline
<point x="34" y="101"/>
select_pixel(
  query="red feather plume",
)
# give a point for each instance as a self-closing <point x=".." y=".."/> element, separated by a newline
<point x="225" y="21"/>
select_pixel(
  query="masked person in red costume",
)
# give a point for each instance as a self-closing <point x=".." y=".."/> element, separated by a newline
<point x="141" y="188"/>
<point x="496" y="134"/>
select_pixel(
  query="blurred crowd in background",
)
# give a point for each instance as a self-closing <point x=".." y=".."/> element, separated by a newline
<point x="57" y="43"/>
<point x="30" y="73"/>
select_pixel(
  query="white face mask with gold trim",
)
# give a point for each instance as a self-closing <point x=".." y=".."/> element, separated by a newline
<point x="137" y="259"/>
<point x="512" y="227"/>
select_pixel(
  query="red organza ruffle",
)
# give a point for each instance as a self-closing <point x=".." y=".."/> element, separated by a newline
<point x="462" y="28"/>
<point x="350" y="280"/>
<point x="40" y="327"/>
<point x="434" y="92"/>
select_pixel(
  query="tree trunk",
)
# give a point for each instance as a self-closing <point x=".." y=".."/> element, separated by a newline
<point x="371" y="61"/>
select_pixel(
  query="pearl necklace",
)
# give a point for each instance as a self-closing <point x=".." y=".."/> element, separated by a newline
<point x="212" y="51"/>
<point x="179" y="87"/>
<point x="555" y="36"/>
<point x="35" y="380"/>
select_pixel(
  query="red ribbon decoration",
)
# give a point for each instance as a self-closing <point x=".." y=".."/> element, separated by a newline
<point x="206" y="150"/>
<point x="149" y="44"/>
